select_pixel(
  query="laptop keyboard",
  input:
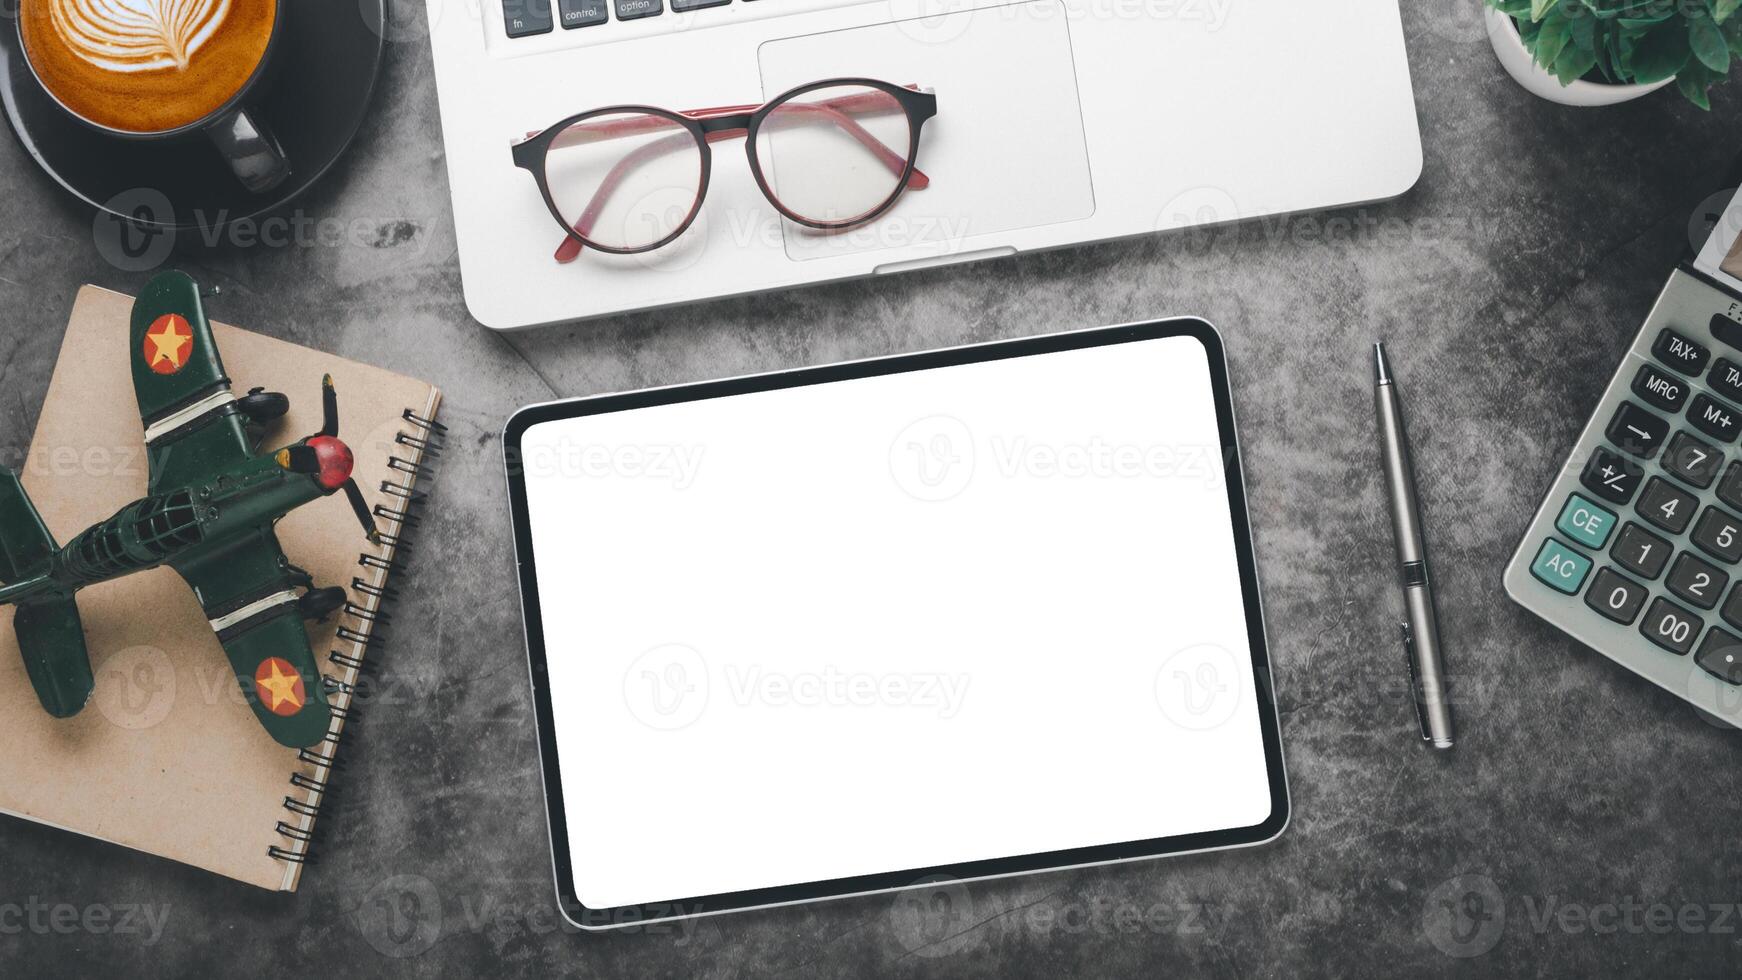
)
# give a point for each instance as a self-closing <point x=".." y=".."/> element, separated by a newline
<point x="529" y="18"/>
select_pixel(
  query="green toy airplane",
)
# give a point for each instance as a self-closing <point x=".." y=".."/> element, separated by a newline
<point x="211" y="502"/>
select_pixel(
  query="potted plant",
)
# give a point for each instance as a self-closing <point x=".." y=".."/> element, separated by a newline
<point x="1600" y="52"/>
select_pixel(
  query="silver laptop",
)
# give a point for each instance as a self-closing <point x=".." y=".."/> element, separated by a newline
<point x="1057" y="122"/>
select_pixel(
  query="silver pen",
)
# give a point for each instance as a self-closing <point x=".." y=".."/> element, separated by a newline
<point x="1421" y="629"/>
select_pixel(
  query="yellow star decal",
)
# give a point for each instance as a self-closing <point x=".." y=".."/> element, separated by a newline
<point x="279" y="687"/>
<point x="168" y="343"/>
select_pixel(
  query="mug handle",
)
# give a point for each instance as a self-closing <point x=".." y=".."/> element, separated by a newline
<point x="251" y="149"/>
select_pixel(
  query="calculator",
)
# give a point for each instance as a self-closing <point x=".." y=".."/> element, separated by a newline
<point x="1636" y="550"/>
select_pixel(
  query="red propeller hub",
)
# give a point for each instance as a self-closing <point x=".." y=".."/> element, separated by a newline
<point x="335" y="461"/>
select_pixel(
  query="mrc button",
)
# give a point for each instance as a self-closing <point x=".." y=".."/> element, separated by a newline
<point x="1679" y="352"/>
<point x="1660" y="389"/>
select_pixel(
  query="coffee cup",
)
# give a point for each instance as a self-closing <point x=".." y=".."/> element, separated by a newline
<point x="161" y="69"/>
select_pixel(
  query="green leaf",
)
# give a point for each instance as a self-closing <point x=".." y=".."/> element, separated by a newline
<point x="1708" y="44"/>
<point x="1553" y="37"/>
<point x="1574" y="63"/>
<point x="1660" y="54"/>
<point x="1693" y="82"/>
<point x="1722" y="9"/>
<point x="1540" y="8"/>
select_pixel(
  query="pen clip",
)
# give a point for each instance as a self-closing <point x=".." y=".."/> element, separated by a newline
<point x="1414" y="680"/>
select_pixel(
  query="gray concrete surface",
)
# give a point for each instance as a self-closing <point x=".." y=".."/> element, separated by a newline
<point x="1587" y="823"/>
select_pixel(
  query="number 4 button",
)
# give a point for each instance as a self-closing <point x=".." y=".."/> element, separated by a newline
<point x="1662" y="504"/>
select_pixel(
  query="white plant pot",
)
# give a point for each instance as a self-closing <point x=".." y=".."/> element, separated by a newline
<point x="1515" y="58"/>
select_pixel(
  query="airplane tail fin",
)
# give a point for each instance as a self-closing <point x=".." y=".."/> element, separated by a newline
<point x="52" y="640"/>
<point x="50" y="634"/>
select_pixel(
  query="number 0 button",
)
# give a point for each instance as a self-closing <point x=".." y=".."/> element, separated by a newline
<point x="1671" y="627"/>
<point x="1615" y="596"/>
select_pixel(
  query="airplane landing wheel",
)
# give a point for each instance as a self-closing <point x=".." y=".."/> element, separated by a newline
<point x="318" y="604"/>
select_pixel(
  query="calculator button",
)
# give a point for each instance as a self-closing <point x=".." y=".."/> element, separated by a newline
<point x="1714" y="418"/>
<point x="1730" y="487"/>
<point x="1670" y="626"/>
<point x="1611" y="476"/>
<point x="1657" y="387"/>
<point x="1721" y="656"/>
<point x="1731" y="610"/>
<point x="1662" y="504"/>
<point x="1691" y="461"/>
<point x="526" y="17"/>
<point x="1727" y="331"/>
<point x="581" y="13"/>
<point x="1726" y="379"/>
<point x="1560" y="567"/>
<point x="1679" y="352"/>
<point x="1585" y="522"/>
<point x="1615" y="596"/>
<point x="1696" y="581"/>
<point x="1636" y="431"/>
<point x="1719" y="535"/>
<point x="1641" y="552"/>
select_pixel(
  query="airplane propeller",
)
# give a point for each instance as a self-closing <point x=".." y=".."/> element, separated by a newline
<point x="327" y="459"/>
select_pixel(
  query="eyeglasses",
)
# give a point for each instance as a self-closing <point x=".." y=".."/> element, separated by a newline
<point x="828" y="155"/>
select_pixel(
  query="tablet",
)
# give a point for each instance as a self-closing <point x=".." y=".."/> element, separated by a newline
<point x="966" y="613"/>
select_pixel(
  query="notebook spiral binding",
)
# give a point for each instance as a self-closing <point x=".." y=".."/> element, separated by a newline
<point x="415" y="447"/>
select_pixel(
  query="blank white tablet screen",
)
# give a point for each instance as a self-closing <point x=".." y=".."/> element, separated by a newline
<point x="956" y="614"/>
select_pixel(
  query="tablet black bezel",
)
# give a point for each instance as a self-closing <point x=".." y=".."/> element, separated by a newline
<point x="644" y="914"/>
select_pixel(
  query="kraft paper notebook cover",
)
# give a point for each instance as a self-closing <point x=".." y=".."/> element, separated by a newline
<point x="167" y="757"/>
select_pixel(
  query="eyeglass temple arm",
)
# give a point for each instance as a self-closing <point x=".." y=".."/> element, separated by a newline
<point x="571" y="247"/>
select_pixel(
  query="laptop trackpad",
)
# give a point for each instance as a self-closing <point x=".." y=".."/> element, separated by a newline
<point x="1006" y="148"/>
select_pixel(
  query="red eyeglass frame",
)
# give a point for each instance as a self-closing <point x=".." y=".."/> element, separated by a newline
<point x="707" y="126"/>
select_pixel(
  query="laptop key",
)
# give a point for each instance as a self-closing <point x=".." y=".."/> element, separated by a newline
<point x="637" y="9"/>
<point x="1670" y="626"/>
<point x="1714" y="418"/>
<point x="682" y="6"/>
<point x="1667" y="507"/>
<point x="1679" y="352"/>
<point x="1636" y="431"/>
<point x="1691" y="461"/>
<point x="1721" y="656"/>
<point x="1612" y="476"/>
<point x="526" y="17"/>
<point x="1615" y="596"/>
<point x="1641" y="552"/>
<point x="1660" y="389"/>
<point x="581" y="13"/>
<point x="1696" y="581"/>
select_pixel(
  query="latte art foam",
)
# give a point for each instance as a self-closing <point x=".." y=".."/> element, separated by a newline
<point x="146" y="66"/>
<point x="137" y="35"/>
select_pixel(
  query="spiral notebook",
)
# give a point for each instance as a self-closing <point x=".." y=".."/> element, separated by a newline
<point x="167" y="757"/>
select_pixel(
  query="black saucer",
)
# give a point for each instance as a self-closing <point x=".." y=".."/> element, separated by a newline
<point x="314" y="99"/>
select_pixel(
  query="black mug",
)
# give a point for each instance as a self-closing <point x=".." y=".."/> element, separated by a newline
<point x="253" y="153"/>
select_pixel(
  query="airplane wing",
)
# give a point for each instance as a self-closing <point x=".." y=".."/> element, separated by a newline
<point x="192" y="426"/>
<point x="249" y="595"/>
